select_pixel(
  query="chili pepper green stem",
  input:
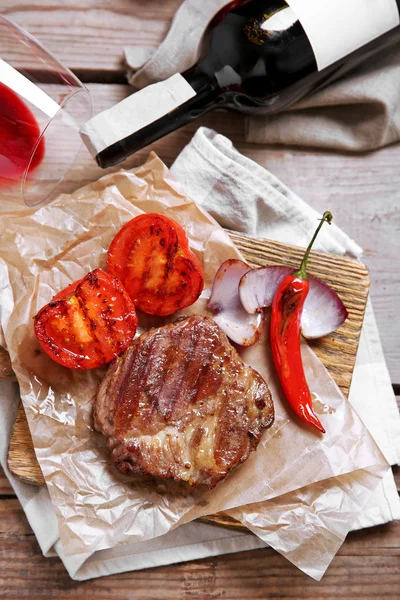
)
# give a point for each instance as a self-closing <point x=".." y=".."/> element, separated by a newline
<point x="302" y="272"/>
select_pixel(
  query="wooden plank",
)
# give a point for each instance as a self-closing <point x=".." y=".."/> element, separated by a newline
<point x="89" y="37"/>
<point x="13" y="522"/>
<point x="5" y="487"/>
<point x="24" y="464"/>
<point x="367" y="567"/>
<point x="337" y="351"/>
<point x="6" y="372"/>
<point x="396" y="473"/>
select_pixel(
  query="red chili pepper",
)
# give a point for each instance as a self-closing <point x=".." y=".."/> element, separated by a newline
<point x="287" y="308"/>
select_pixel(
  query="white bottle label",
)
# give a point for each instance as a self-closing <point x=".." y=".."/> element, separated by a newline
<point x="135" y="112"/>
<point x="336" y="28"/>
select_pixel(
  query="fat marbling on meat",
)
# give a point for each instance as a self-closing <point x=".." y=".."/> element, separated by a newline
<point x="181" y="404"/>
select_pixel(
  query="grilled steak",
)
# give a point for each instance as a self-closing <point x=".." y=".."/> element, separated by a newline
<point x="181" y="404"/>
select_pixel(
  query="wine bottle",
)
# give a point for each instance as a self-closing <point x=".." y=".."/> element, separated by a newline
<point x="256" y="56"/>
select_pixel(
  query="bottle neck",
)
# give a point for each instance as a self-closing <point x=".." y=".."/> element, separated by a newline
<point x="207" y="98"/>
<point x="201" y="82"/>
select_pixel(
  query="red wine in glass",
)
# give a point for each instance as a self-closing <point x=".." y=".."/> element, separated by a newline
<point x="42" y="107"/>
<point x="19" y="136"/>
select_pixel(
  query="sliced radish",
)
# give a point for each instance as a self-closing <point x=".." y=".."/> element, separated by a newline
<point x="323" y="310"/>
<point x="229" y="313"/>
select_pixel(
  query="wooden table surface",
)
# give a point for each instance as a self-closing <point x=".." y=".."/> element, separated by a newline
<point x="363" y="192"/>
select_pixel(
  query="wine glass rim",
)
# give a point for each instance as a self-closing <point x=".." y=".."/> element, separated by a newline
<point x="79" y="90"/>
<point x="76" y="87"/>
<point x="35" y="41"/>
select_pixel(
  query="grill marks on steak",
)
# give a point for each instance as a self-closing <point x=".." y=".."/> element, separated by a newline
<point x="181" y="404"/>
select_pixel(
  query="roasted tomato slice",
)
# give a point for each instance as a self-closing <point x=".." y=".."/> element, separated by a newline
<point x="151" y="256"/>
<point x="88" y="324"/>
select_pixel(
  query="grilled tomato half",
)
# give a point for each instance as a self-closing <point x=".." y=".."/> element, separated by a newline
<point x="88" y="323"/>
<point x="151" y="256"/>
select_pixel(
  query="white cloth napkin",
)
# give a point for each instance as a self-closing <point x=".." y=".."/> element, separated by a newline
<point x="360" y="111"/>
<point x="244" y="196"/>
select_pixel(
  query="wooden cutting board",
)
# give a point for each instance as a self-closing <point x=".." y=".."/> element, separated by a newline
<point x="337" y="351"/>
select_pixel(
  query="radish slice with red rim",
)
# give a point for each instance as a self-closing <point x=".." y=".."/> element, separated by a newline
<point x="229" y="313"/>
<point x="323" y="311"/>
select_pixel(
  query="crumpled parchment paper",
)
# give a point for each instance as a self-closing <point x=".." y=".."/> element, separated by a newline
<point x="300" y="491"/>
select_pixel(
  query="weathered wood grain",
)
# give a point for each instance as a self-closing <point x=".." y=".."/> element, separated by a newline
<point x="89" y="37"/>
<point x="13" y="522"/>
<point x="337" y="351"/>
<point x="5" y="487"/>
<point x="396" y="473"/>
<point x="6" y="372"/>
<point x="367" y="567"/>
<point x="21" y="454"/>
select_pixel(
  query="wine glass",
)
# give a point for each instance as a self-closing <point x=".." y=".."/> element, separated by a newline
<point x="42" y="108"/>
